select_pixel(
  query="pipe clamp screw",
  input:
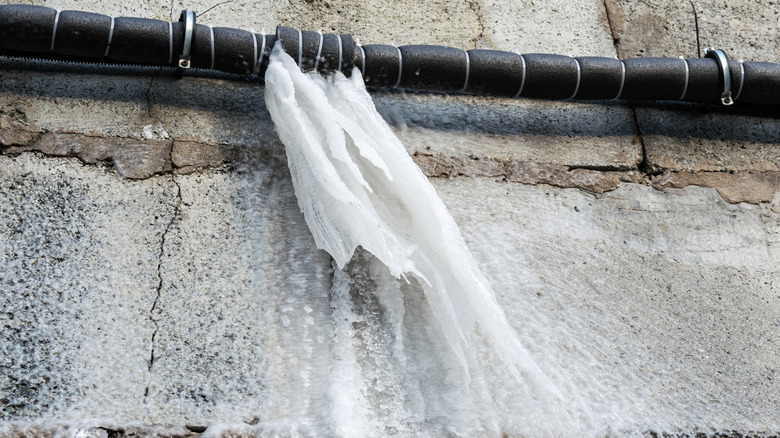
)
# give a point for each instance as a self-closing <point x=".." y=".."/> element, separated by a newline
<point x="188" y="17"/>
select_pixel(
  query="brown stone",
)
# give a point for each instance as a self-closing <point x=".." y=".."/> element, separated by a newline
<point x="745" y="186"/>
<point x="15" y="131"/>
<point x="446" y="166"/>
<point x="616" y="19"/>
<point x="132" y="158"/>
<point x="438" y="166"/>
<point x="749" y="186"/>
<point x="561" y="176"/>
<point x="189" y="156"/>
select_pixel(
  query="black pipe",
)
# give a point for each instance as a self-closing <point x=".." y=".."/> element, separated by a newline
<point x="41" y="32"/>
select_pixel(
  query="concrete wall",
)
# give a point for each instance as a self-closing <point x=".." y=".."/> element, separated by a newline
<point x="135" y="208"/>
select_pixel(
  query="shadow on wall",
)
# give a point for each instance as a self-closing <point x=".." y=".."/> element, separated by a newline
<point x="435" y="111"/>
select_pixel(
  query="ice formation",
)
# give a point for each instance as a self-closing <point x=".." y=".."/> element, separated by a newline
<point x="358" y="187"/>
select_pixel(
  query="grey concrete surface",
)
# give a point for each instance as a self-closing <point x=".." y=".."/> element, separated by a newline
<point x="671" y="298"/>
<point x="80" y="252"/>
<point x="576" y="28"/>
<point x="143" y="218"/>
<point x="745" y="29"/>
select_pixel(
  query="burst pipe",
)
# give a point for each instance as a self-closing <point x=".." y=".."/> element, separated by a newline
<point x="45" y="33"/>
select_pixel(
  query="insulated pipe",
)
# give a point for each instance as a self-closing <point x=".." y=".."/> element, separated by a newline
<point x="41" y="32"/>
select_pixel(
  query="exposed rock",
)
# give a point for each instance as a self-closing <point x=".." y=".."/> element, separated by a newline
<point x="132" y="158"/>
<point x="437" y="166"/>
<point x="751" y="187"/>
<point x="559" y="176"/>
<point x="615" y="18"/>
<point x="522" y="172"/>
<point x="15" y="131"/>
<point x="189" y="156"/>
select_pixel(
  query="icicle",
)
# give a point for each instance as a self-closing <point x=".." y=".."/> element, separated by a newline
<point x="357" y="186"/>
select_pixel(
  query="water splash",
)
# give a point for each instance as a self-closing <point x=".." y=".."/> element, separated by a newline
<point x="358" y="187"/>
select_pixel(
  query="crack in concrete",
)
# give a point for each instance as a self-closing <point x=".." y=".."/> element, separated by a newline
<point x="131" y="158"/>
<point x="604" y="168"/>
<point x="148" y="93"/>
<point x="112" y="432"/>
<point x="174" y="216"/>
<point x="750" y="186"/>
<point x="477" y="9"/>
<point x="163" y="238"/>
<point x="109" y="429"/>
<point x="645" y="166"/>
<point x="610" y="25"/>
<point x="595" y="178"/>
<point x="612" y="14"/>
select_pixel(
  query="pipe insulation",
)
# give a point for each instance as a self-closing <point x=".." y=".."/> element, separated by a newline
<point x="45" y="33"/>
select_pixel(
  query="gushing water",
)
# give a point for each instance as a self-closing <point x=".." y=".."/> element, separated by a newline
<point x="358" y="188"/>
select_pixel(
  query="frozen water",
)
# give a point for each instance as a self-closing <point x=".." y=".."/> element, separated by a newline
<point x="420" y="344"/>
<point x="358" y="188"/>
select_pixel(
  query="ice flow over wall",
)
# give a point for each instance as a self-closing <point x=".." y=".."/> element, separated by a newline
<point x="358" y="187"/>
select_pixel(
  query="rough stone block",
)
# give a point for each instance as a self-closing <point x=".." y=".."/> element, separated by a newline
<point x="744" y="29"/>
<point x="576" y="28"/>
<point x="189" y="156"/>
